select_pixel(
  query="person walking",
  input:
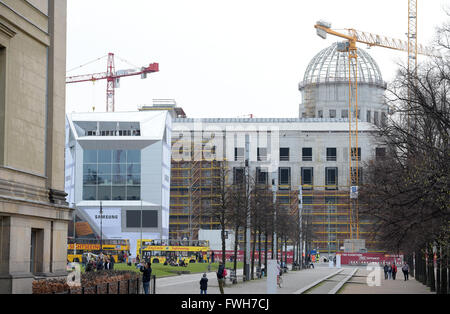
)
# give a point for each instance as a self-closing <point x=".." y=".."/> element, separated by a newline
<point x="394" y="271"/>
<point x="203" y="284"/>
<point x="146" y="275"/>
<point x="386" y="270"/>
<point x="405" y="270"/>
<point x="220" y="278"/>
<point x="390" y="271"/>
<point x="111" y="262"/>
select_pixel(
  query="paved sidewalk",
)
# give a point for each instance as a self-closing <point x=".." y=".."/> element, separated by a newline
<point x="292" y="282"/>
<point x="358" y="285"/>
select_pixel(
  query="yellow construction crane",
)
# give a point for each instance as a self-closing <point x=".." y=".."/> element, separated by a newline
<point x="352" y="37"/>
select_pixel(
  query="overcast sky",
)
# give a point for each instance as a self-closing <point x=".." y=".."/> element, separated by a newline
<point x="224" y="58"/>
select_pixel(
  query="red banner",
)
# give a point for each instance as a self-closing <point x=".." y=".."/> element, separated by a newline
<point x="240" y="255"/>
<point x="366" y="258"/>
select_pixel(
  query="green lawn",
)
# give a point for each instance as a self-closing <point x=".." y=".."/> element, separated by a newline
<point x="165" y="271"/>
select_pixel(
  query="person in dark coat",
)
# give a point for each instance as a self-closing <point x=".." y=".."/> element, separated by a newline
<point x="100" y="264"/>
<point x="203" y="284"/>
<point x="405" y="270"/>
<point x="146" y="275"/>
<point x="386" y="270"/>
<point x="220" y="277"/>
<point x="111" y="262"/>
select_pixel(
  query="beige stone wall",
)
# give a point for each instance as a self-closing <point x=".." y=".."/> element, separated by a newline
<point x="32" y="126"/>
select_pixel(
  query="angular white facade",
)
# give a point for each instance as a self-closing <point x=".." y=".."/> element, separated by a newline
<point x="121" y="161"/>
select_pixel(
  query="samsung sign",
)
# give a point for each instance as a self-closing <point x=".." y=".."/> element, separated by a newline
<point x="111" y="218"/>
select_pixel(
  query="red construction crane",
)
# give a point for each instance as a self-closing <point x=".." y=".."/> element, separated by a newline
<point x="113" y="78"/>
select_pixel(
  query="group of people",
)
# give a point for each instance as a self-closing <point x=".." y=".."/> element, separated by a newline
<point x="102" y="262"/>
<point x="390" y="271"/>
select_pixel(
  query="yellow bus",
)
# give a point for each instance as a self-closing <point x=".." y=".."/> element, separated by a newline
<point x="160" y="251"/>
<point x="117" y="248"/>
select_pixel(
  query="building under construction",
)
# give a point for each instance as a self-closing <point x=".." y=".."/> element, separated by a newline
<point x="310" y="153"/>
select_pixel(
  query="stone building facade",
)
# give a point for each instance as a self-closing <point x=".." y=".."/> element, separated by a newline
<point x="34" y="213"/>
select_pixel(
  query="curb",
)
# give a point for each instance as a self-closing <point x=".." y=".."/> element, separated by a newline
<point x="315" y="283"/>
<point x="339" y="285"/>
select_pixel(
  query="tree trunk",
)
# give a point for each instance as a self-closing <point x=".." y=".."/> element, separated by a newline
<point x="253" y="253"/>
<point x="438" y="269"/>
<point x="259" y="249"/>
<point x="223" y="240"/>
<point x="431" y="278"/>
<point x="266" y="246"/>
<point x="236" y="238"/>
<point x="444" y="272"/>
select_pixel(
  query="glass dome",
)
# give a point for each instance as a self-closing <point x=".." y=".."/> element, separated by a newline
<point x="331" y="66"/>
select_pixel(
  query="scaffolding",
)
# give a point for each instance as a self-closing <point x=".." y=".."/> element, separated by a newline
<point x="193" y="193"/>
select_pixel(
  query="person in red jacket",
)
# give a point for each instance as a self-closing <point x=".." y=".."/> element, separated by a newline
<point x="394" y="271"/>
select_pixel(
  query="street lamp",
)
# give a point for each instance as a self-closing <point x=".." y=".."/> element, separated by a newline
<point x="101" y="228"/>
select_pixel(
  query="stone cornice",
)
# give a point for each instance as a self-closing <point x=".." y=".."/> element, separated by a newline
<point x="7" y="31"/>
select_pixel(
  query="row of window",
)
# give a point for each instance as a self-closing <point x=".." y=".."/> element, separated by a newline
<point x="344" y="115"/>
<point x="114" y="133"/>
<point x="284" y="177"/>
<point x="307" y="154"/>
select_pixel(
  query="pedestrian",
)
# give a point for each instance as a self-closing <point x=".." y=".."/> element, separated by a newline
<point x="111" y="262"/>
<point x="394" y="271"/>
<point x="100" y="265"/>
<point x="386" y="269"/>
<point x="203" y="284"/>
<point x="390" y="271"/>
<point x="405" y="270"/>
<point x="90" y="266"/>
<point x="220" y="278"/>
<point x="212" y="257"/>
<point x="146" y="274"/>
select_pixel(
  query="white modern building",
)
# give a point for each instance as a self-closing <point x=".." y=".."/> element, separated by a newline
<point x="120" y="161"/>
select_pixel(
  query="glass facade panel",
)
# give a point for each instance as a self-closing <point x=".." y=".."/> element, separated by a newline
<point x="104" y="156"/>
<point x="90" y="156"/>
<point x="112" y="175"/>
<point x="119" y="156"/>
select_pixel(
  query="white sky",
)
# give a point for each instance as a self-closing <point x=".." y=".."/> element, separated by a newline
<point x="224" y="58"/>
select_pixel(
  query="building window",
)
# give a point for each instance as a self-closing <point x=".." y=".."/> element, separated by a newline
<point x="284" y="178"/>
<point x="354" y="153"/>
<point x="369" y="116"/>
<point x="320" y="114"/>
<point x="238" y="175"/>
<point x="380" y="153"/>
<point x="112" y="175"/>
<point x="239" y="153"/>
<point x="331" y="178"/>
<point x="307" y="178"/>
<point x="332" y="113"/>
<point x="375" y="117"/>
<point x="262" y="154"/>
<point x="307" y="154"/>
<point x="261" y="176"/>
<point x="149" y="218"/>
<point x="331" y="154"/>
<point x="344" y="113"/>
<point x="284" y="154"/>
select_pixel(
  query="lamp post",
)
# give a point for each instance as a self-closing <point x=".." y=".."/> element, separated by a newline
<point x="101" y="228"/>
<point x="140" y="246"/>
<point x="247" y="231"/>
